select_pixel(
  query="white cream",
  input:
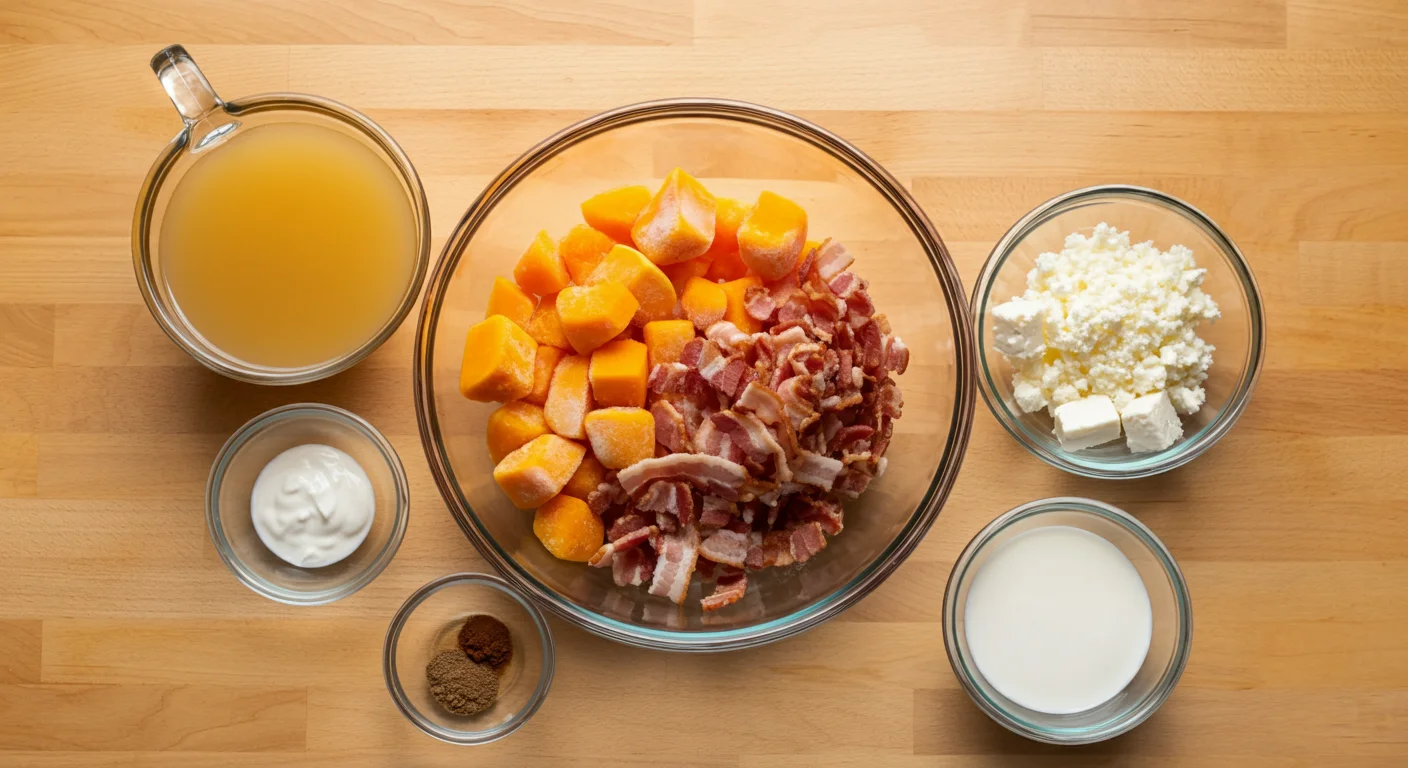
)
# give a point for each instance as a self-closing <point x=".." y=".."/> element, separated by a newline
<point x="1058" y="620"/>
<point x="313" y="505"/>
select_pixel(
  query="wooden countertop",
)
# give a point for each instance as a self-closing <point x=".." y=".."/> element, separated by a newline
<point x="124" y="641"/>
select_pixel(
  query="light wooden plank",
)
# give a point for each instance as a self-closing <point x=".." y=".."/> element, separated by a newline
<point x="26" y="335"/>
<point x="1155" y="24"/>
<point x="1353" y="274"/>
<point x="19" y="465"/>
<point x="21" y="652"/>
<point x="1349" y="24"/>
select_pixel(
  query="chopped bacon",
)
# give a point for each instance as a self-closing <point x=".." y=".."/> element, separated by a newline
<point x="846" y="284"/>
<point x="758" y="302"/>
<point x="626" y="523"/>
<point x="896" y="355"/>
<point x="841" y="402"/>
<point x="709" y="474"/>
<point x="869" y="343"/>
<point x="751" y="435"/>
<point x="714" y="517"/>
<point x="805" y="541"/>
<point x="808" y="259"/>
<point x="831" y="259"/>
<point x="854" y="480"/>
<point x="792" y="314"/>
<point x="674" y="564"/>
<point x="629" y="541"/>
<point x="728" y="590"/>
<point x="761" y="402"/>
<point x="733" y="377"/>
<point x="693" y="349"/>
<point x="816" y="469"/>
<point x="825" y="512"/>
<point x="632" y="567"/>
<point x="725" y="546"/>
<point x="846" y="437"/>
<point x="727" y="335"/>
<point x="775" y="549"/>
<point x="666" y="522"/>
<point x="670" y="429"/>
<point x="671" y="497"/>
<point x="676" y="379"/>
<point x="890" y="400"/>
<point x="859" y="303"/>
<point x="796" y="394"/>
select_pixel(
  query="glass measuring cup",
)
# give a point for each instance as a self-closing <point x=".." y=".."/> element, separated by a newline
<point x="209" y="122"/>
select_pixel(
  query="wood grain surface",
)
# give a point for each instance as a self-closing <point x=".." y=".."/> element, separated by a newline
<point x="124" y="641"/>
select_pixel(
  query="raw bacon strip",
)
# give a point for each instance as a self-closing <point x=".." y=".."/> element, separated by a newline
<point x="748" y="433"/>
<point x="758" y="302"/>
<point x="725" y="546"/>
<point x="629" y="541"/>
<point x="816" y="469"/>
<point x="728" y="590"/>
<point x="632" y="567"/>
<point x="805" y="541"/>
<point x="711" y="474"/>
<point x="670" y="430"/>
<point x="831" y="259"/>
<point x="674" y="564"/>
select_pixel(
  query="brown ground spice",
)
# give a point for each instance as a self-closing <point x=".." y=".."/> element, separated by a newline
<point x="485" y="639"/>
<point x="460" y="685"/>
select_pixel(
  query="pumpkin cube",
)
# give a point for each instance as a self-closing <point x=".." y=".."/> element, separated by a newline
<point x="545" y="326"/>
<point x="592" y="315"/>
<point x="724" y="263"/>
<point x="511" y="426"/>
<point x="569" y="397"/>
<point x="582" y="248"/>
<point x="509" y="300"/>
<point x="704" y="302"/>
<point x="621" y="436"/>
<point x="540" y="269"/>
<point x="537" y="471"/>
<point x="736" y="312"/>
<point x="498" y="361"/>
<point x="590" y="474"/>
<point x="681" y="273"/>
<point x="568" y="529"/>
<point x="645" y="281"/>
<point x="771" y="237"/>
<point x="678" y="222"/>
<point x="543" y="366"/>
<point x="665" y="340"/>
<point x="615" y="211"/>
<point x="618" y="373"/>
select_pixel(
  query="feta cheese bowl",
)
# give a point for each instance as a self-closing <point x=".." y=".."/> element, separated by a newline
<point x="1120" y="332"/>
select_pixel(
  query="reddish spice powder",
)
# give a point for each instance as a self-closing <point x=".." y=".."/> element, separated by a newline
<point x="486" y="640"/>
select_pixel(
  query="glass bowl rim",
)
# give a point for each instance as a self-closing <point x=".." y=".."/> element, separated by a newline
<point x="247" y="432"/>
<point x="1188" y="448"/>
<point x="174" y="324"/>
<point x="886" y="561"/>
<point x="393" y="678"/>
<point x="1138" y="713"/>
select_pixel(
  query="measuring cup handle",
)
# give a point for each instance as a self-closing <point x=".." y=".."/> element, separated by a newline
<point x="184" y="83"/>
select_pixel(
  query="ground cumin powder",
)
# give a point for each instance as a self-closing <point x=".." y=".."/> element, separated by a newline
<point x="462" y="686"/>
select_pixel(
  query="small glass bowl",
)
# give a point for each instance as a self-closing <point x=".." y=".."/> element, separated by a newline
<point x="1168" y="597"/>
<point x="237" y="466"/>
<point x="429" y="623"/>
<point x="1239" y="335"/>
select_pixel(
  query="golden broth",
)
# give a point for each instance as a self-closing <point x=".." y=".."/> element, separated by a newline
<point x="289" y="245"/>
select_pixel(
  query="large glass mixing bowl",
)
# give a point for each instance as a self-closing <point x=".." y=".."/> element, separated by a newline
<point x="736" y="150"/>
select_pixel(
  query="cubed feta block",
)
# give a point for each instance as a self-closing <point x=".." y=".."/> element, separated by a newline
<point x="1087" y="422"/>
<point x="1150" y="423"/>
<point x="1016" y="328"/>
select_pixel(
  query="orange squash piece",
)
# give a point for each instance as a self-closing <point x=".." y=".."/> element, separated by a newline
<point x="543" y="366"/>
<point x="592" y="315"/>
<point x="621" y="437"/>
<point x="704" y="303"/>
<point x="665" y="340"/>
<point x="615" y="211"/>
<point x="568" y="529"/>
<point x="538" y="470"/>
<point x="678" y="222"/>
<point x="590" y="474"/>
<point x="509" y="300"/>
<point x="681" y="273"/>
<point x="582" y="248"/>
<point x="569" y="397"/>
<point x="540" y="269"/>
<point x="545" y="326"/>
<point x="771" y="237"/>
<point x="498" y="361"/>
<point x="618" y="373"/>
<point x="511" y="426"/>
<point x="735" y="312"/>
<point x="645" y="281"/>
<point x="724" y="263"/>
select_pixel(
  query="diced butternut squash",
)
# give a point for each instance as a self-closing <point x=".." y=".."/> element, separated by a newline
<point x="511" y="426"/>
<point x="590" y="474"/>
<point x="681" y="273"/>
<point x="724" y="263"/>
<point x="615" y="211"/>
<point x="645" y="281"/>
<point x="592" y="315"/>
<point x="771" y="237"/>
<point x="543" y="366"/>
<point x="498" y="361"/>
<point x="569" y="397"/>
<point x="540" y="269"/>
<point x="678" y="222"/>
<point x="538" y="470"/>
<point x="568" y="529"/>
<point x="621" y="436"/>
<point x="618" y="373"/>
<point x="665" y="340"/>
<point x="704" y="302"/>
<point x="509" y="300"/>
<point x="582" y="248"/>
<point x="545" y="326"/>
<point x="735" y="312"/>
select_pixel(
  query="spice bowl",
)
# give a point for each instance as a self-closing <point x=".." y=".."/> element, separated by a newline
<point x="232" y="479"/>
<point x="428" y="623"/>
<point x="1239" y="335"/>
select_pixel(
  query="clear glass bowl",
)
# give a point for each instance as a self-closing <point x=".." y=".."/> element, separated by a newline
<point x="429" y="623"/>
<point x="1168" y="648"/>
<point x="737" y="150"/>
<point x="1239" y="335"/>
<point x="237" y="466"/>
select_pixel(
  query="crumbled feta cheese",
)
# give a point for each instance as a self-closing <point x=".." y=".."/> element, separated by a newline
<point x="1150" y="423"/>
<point x="1110" y="318"/>
<point x="1087" y="423"/>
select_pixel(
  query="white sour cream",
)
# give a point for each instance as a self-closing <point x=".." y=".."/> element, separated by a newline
<point x="313" y="505"/>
